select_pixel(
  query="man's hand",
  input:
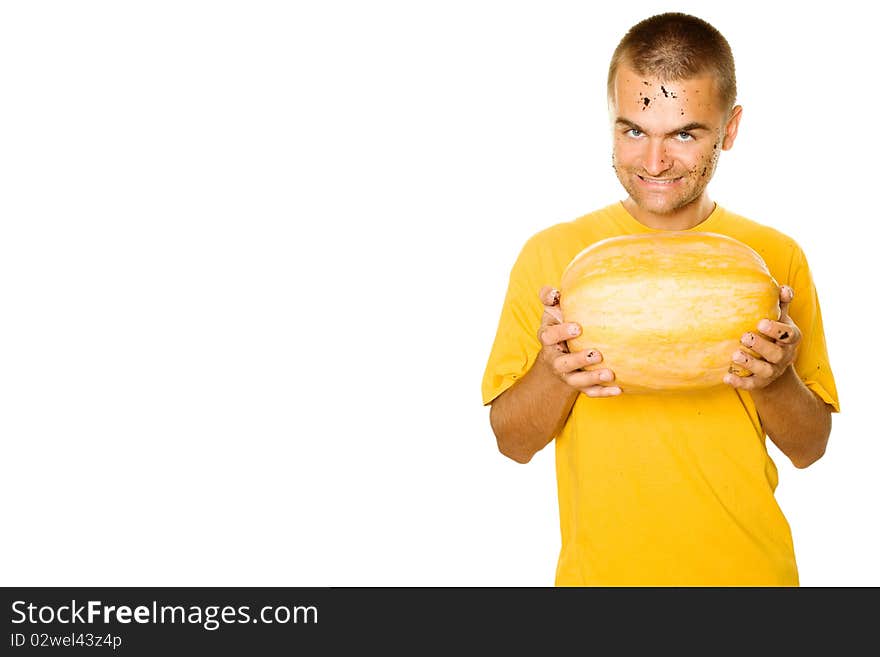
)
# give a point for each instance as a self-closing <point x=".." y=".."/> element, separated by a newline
<point x="773" y="349"/>
<point x="553" y="334"/>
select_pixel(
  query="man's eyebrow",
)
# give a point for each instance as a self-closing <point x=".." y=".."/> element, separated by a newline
<point x="693" y="125"/>
<point x="629" y="124"/>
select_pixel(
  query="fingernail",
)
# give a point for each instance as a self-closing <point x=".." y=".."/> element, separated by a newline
<point x="739" y="357"/>
<point x="748" y="339"/>
<point x="764" y="326"/>
<point x="727" y="378"/>
<point x="573" y="329"/>
<point x="605" y="375"/>
<point x="554" y="296"/>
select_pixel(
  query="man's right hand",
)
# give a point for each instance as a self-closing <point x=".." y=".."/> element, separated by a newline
<point x="553" y="334"/>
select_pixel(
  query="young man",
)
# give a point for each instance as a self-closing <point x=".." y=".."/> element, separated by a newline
<point x="672" y="489"/>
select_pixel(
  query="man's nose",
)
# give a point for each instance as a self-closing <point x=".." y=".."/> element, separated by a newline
<point x="656" y="159"/>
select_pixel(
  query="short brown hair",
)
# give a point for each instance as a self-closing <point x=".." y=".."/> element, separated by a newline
<point x="676" y="46"/>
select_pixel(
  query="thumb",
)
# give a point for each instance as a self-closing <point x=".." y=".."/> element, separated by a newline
<point x="786" y="294"/>
<point x="550" y="299"/>
<point x="549" y="295"/>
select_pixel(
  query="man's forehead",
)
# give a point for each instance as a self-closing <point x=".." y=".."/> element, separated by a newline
<point x="627" y="77"/>
<point x="645" y="90"/>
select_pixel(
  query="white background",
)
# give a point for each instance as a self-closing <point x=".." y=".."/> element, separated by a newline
<point x="252" y="256"/>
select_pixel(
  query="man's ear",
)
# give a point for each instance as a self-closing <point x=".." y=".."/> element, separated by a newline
<point x="732" y="128"/>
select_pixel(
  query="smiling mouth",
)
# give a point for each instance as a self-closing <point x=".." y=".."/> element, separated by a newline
<point x="659" y="181"/>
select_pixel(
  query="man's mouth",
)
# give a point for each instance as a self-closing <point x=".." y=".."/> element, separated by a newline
<point x="659" y="181"/>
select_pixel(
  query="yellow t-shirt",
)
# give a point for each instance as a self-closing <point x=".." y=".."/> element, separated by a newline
<point x="671" y="489"/>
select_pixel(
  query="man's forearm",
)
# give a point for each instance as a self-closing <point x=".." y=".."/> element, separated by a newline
<point x="527" y="416"/>
<point x="795" y="419"/>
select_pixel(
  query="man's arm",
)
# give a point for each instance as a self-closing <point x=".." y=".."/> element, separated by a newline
<point x="528" y="415"/>
<point x="796" y="420"/>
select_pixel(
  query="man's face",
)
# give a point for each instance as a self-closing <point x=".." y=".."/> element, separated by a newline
<point x="667" y="138"/>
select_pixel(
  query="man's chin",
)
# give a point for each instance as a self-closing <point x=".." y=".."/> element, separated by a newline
<point x="658" y="208"/>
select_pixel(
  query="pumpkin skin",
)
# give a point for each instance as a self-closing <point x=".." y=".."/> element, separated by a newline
<point x="667" y="309"/>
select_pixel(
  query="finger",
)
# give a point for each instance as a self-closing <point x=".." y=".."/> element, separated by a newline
<point x="572" y="362"/>
<point x="781" y="332"/>
<point x="764" y="347"/>
<point x="739" y="371"/>
<point x="786" y="294"/>
<point x="739" y="382"/>
<point x="557" y="333"/>
<point x="552" y="315"/>
<point x="582" y="380"/>
<point x="602" y="391"/>
<point x="549" y="296"/>
<point x="756" y="366"/>
<point x="552" y="312"/>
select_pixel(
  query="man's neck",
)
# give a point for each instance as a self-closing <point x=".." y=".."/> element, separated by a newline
<point x="684" y="218"/>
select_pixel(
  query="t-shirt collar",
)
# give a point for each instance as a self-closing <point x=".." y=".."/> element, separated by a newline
<point x="633" y="225"/>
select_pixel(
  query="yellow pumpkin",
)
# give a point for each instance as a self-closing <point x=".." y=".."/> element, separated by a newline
<point x="667" y="309"/>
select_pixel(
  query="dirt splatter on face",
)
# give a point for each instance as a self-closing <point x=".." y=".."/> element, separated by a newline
<point x="713" y="157"/>
<point x="646" y="101"/>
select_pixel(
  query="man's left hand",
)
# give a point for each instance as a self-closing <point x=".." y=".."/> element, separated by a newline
<point x="773" y="348"/>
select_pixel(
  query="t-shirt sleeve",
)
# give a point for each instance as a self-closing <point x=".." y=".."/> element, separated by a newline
<point x="516" y="343"/>
<point x="812" y="363"/>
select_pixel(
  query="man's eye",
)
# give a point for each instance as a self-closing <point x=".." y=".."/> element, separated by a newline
<point x="634" y="132"/>
<point x="685" y="136"/>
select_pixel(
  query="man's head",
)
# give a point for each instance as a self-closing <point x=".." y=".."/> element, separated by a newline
<point x="676" y="46"/>
<point x="671" y="93"/>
